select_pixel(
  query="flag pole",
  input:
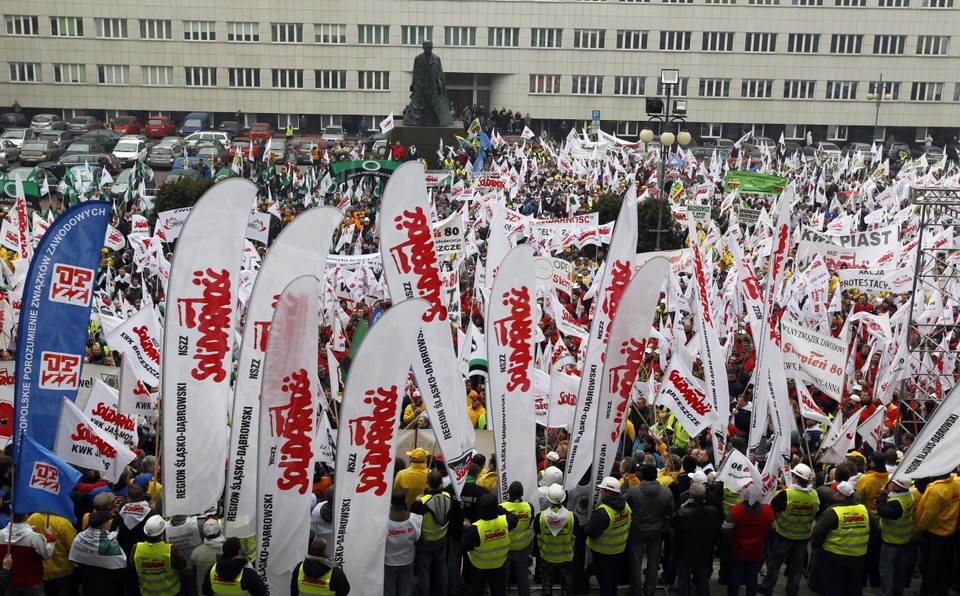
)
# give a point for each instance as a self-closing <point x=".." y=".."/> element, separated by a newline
<point x="156" y="454"/>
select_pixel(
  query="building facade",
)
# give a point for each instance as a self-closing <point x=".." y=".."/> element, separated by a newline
<point x="766" y="65"/>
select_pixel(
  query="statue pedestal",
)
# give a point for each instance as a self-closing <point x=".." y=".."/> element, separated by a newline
<point x="427" y="139"/>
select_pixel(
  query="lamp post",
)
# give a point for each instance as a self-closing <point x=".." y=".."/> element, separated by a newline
<point x="668" y="78"/>
<point x="878" y="96"/>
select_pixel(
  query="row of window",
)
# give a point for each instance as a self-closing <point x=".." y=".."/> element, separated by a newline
<point x="415" y="35"/>
<point x="842" y="3"/>
<point x="540" y="84"/>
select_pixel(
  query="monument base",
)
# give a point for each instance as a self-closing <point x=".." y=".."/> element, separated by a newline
<point x="427" y="139"/>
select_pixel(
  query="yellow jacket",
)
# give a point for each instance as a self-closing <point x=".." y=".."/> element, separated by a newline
<point x="869" y="486"/>
<point x="58" y="565"/>
<point x="412" y="480"/>
<point x="488" y="480"/>
<point x="938" y="508"/>
<point x="475" y="414"/>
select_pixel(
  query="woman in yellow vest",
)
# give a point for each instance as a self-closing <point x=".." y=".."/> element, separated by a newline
<point x="842" y="533"/>
<point x="487" y="544"/>
<point x="156" y="562"/>
<point x="232" y="574"/>
<point x="607" y="531"/>
<point x="519" y="557"/>
<point x="317" y="574"/>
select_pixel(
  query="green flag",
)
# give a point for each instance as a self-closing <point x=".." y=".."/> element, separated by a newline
<point x="754" y="183"/>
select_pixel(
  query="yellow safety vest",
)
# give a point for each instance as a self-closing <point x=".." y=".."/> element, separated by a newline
<point x="314" y="585"/>
<point x="897" y="531"/>
<point x="221" y="585"/>
<point x="796" y="521"/>
<point x="614" y="538"/>
<point x="152" y="563"/>
<point x="494" y="543"/>
<point x="730" y="499"/>
<point x="430" y="529"/>
<point x="852" y="533"/>
<point x="559" y="548"/>
<point x="520" y="536"/>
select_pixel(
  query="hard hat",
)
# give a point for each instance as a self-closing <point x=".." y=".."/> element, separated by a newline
<point x="211" y="527"/>
<point x="803" y="471"/>
<point x="154" y="526"/>
<point x="555" y="494"/>
<point x="610" y="483"/>
<point x="552" y="475"/>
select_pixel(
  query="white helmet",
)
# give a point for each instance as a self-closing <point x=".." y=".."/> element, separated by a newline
<point x="556" y="494"/>
<point x="154" y="526"/>
<point x="552" y="475"/>
<point x="803" y="472"/>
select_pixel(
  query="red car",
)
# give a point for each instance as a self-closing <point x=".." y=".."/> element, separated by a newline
<point x="261" y="130"/>
<point x="159" y="127"/>
<point x="126" y="125"/>
<point x="241" y="144"/>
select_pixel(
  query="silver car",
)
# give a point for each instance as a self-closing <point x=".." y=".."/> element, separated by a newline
<point x="163" y="153"/>
<point x="18" y="135"/>
<point x="43" y="122"/>
<point x="9" y="150"/>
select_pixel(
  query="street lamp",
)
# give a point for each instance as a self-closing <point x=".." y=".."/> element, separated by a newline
<point x="878" y="96"/>
<point x="672" y="115"/>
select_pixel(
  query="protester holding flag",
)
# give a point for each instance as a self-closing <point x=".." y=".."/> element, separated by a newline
<point x="795" y="508"/>
<point x="29" y="550"/>
<point x="101" y="563"/>
<point x="58" y="569"/>
<point x="436" y="507"/>
<point x="607" y="532"/>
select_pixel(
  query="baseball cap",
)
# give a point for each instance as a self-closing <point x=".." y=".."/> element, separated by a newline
<point x="553" y="456"/>
<point x="418" y="453"/>
<point x="610" y="483"/>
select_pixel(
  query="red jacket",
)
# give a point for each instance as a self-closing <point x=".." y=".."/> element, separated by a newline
<point x="749" y="530"/>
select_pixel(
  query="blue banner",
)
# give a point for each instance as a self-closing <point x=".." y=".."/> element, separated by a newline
<point x="43" y="481"/>
<point x="54" y="316"/>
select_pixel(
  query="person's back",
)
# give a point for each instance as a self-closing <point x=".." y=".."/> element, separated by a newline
<point x="29" y="550"/>
<point x="58" y="565"/>
<point x="205" y="556"/>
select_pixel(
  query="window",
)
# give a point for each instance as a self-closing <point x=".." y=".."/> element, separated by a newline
<point x="378" y="35"/>
<point x="635" y="1"/>
<point x="66" y="26"/>
<point x="836" y="132"/>
<point x="111" y="28"/>
<point x="894" y="3"/>
<point x="157" y="76"/>
<point x="330" y="34"/>
<point x="286" y="78"/>
<point x="764" y="2"/>
<point x="22" y="25"/>
<point x="794" y="131"/>
<point x="891" y="88"/>
<point x="632" y="86"/>
<point x="503" y="37"/>
<point x="546" y="38"/>
<point x="926" y="91"/>
<point x="200" y="76"/>
<point x="415" y="35"/>
<point x="291" y="119"/>
<point x="460" y="36"/>
<point x="69" y="73"/>
<point x="841" y="89"/>
<point x="243" y="32"/>
<point x="932" y="45"/>
<point x="244" y="77"/>
<point x="678" y="89"/>
<point x="803" y="43"/>
<point x="374" y="80"/>
<point x="588" y="39"/>
<point x="806" y="2"/>
<point x="330" y="80"/>
<point x="677" y="1"/>
<point x="199" y="31"/>
<point x="286" y="32"/>
<point x="155" y="29"/>
<point x="889" y="44"/>
<point x="113" y="74"/>
<point x="544" y="84"/>
<point x="760" y="42"/>
<point x="720" y="1"/>
<point x="711" y="130"/>
<point x="756" y="88"/>
<point x="631" y="40"/>
<point x="717" y="41"/>
<point x="714" y="87"/>
<point x="629" y="128"/>
<point x="795" y="89"/>
<point x="956" y="92"/>
<point x="852" y="3"/>
<point x="676" y="41"/>
<point x="25" y="72"/>
<point x="938" y="3"/>
<point x="846" y="44"/>
<point x="586" y="84"/>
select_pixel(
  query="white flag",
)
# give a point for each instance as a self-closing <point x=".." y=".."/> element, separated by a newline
<point x="934" y="451"/>
<point x="138" y="340"/>
<point x="386" y="125"/>
<point x="681" y="393"/>
<point x="135" y="398"/>
<point x="82" y="443"/>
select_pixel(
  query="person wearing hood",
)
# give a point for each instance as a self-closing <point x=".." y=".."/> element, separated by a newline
<point x="695" y="531"/>
<point x="556" y="530"/>
<point x="129" y="523"/>
<point x="232" y="573"/>
<point x="205" y="556"/>
<point x="29" y="549"/>
<point x="795" y="508"/>
<point x="413" y="479"/>
<point x="403" y="531"/>
<point x="101" y="563"/>
<point x="607" y="531"/>
<point x="652" y="507"/>
<point x="487" y="545"/>
<point x="317" y="572"/>
<point x="746" y="526"/>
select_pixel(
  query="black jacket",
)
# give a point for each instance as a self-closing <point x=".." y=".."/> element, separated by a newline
<point x="695" y="529"/>
<point x="599" y="520"/>
<point x="318" y="567"/>
<point x="230" y="569"/>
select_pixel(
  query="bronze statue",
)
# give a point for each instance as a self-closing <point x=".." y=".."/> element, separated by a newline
<point x="429" y="105"/>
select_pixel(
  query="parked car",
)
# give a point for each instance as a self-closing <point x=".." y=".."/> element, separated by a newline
<point x="122" y="182"/>
<point x="898" y="151"/>
<point x="852" y="148"/>
<point x="792" y="147"/>
<point x="43" y="122"/>
<point x="13" y="120"/>
<point x="163" y="153"/>
<point x="9" y="150"/>
<point x="304" y="145"/>
<point x="211" y="151"/>
<point x="130" y="149"/>
<point x="823" y="150"/>
<point x="333" y="133"/>
<point x="371" y="139"/>
<point x="62" y="138"/>
<point x="718" y="142"/>
<point x="178" y="175"/>
<point x="84" y="146"/>
<point x="107" y="160"/>
<point x="107" y="138"/>
<point x="196" y="163"/>
<point x="82" y="124"/>
<point x="261" y="130"/>
<point x="207" y="135"/>
<point x="231" y="127"/>
<point x="196" y="121"/>
<point x="241" y="144"/>
<point x="39" y="151"/>
<point x="759" y="143"/>
<point x="17" y="136"/>
<point x="126" y="125"/>
<point x="159" y="127"/>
